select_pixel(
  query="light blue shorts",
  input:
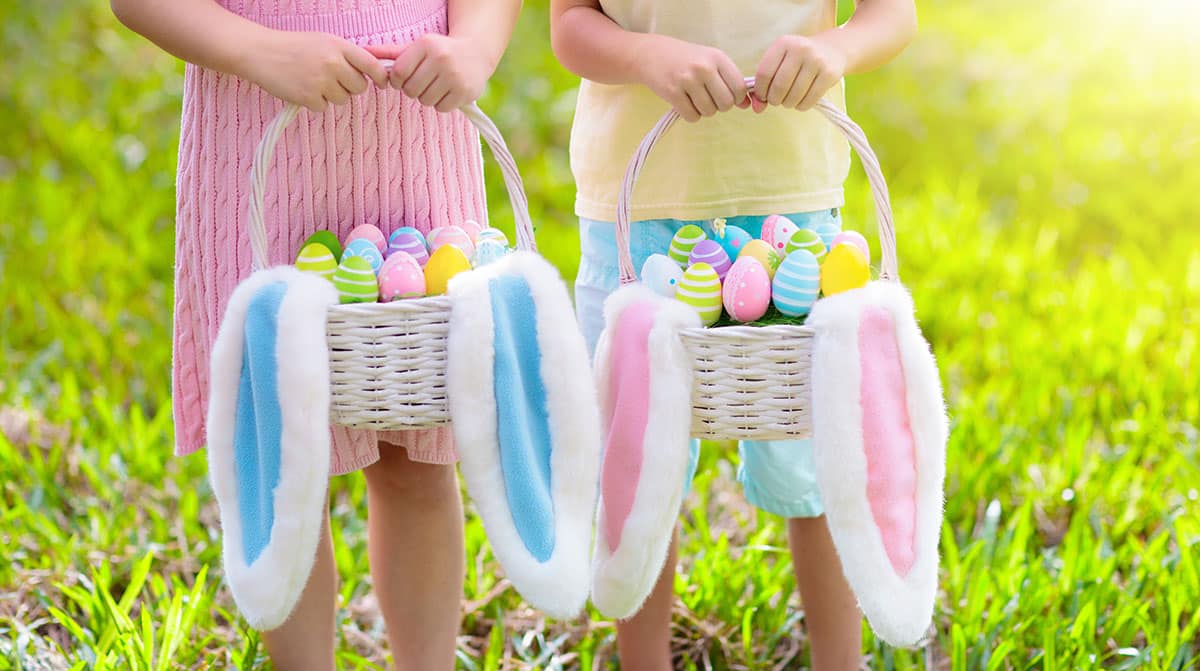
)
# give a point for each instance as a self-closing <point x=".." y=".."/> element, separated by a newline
<point x="776" y="476"/>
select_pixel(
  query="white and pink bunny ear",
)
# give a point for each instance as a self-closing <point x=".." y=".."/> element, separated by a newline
<point x="879" y="441"/>
<point x="645" y="383"/>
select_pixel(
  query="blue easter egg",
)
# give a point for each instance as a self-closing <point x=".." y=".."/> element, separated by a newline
<point x="487" y="251"/>
<point x="732" y="240"/>
<point x="797" y="283"/>
<point x="661" y="274"/>
<point x="367" y="250"/>
<point x="828" y="230"/>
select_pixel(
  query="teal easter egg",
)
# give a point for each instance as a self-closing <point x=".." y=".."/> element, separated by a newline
<point x="661" y="274"/>
<point x="747" y="290"/>
<point x="355" y="280"/>
<point x="408" y="230"/>
<point x="776" y="231"/>
<point x="411" y="244"/>
<point x="329" y="240"/>
<point x="492" y="234"/>
<point x="369" y="232"/>
<point x="700" y="288"/>
<point x="316" y="258"/>
<point x="683" y="242"/>
<point x="732" y="239"/>
<point x="797" y="283"/>
<point x="487" y="251"/>
<point x="401" y="277"/>
<point x="828" y="230"/>
<point x="808" y="240"/>
<point x="365" y="249"/>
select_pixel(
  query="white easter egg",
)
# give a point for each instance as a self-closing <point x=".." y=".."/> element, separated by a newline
<point x="661" y="274"/>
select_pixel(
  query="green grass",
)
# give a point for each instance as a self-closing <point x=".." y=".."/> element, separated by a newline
<point x="1041" y="157"/>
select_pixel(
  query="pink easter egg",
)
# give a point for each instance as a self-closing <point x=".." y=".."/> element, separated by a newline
<point x="776" y="231"/>
<point x="747" y="290"/>
<point x="855" y="238"/>
<point x="400" y="277"/>
<point x="712" y="253"/>
<point x="411" y="244"/>
<point x="369" y="232"/>
<point x="472" y="228"/>
<point x="451" y="235"/>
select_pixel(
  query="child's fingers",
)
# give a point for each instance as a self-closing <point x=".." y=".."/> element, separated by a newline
<point x="419" y="80"/>
<point x="734" y="81"/>
<point x="351" y="79"/>
<point x="702" y="101"/>
<point x="367" y="63"/>
<point x="388" y="51"/>
<point x="783" y="80"/>
<point x="720" y="92"/>
<point x="439" y="88"/>
<point x="823" y="83"/>
<point x="406" y="63"/>
<point x="767" y="68"/>
<point x="686" y="108"/>
<point x="800" y="86"/>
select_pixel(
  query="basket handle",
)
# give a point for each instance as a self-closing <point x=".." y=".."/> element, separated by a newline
<point x="854" y="134"/>
<point x="487" y="130"/>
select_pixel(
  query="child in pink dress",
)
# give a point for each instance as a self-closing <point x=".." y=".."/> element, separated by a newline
<point x="372" y="147"/>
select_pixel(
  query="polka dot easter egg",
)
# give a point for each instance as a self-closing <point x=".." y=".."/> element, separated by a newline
<point x="487" y="251"/>
<point x="450" y="235"/>
<point x="828" y="230"/>
<point x="407" y="230"/>
<point x="661" y="274"/>
<point x="731" y="238"/>
<point x="492" y="234"/>
<point x="316" y="258"/>
<point x="843" y="269"/>
<point x="445" y="262"/>
<point x="472" y="228"/>
<point x="700" y="288"/>
<point x="757" y="249"/>
<point x="776" y="231"/>
<point x="401" y="277"/>
<point x="797" y="283"/>
<point x="369" y="232"/>
<point x="683" y="242"/>
<point x="355" y="281"/>
<point x="854" y="238"/>
<point x="411" y="244"/>
<point x="747" y="290"/>
<point x="710" y="252"/>
<point x="364" y="248"/>
<point x="329" y="240"/>
<point x="808" y="240"/>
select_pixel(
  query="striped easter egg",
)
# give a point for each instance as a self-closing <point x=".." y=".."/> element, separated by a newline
<point x="369" y="232"/>
<point x="732" y="239"/>
<point x="683" y="242"/>
<point x="760" y="250"/>
<point x="828" y="230"/>
<point x="366" y="249"/>
<point x="710" y="252"/>
<point x="408" y="230"/>
<point x="401" y="277"/>
<point x="329" y="240"/>
<point x="747" y="290"/>
<point x="355" y="280"/>
<point x="472" y="228"/>
<point x="661" y="274"/>
<point x="492" y="234"/>
<point x="316" y="258"/>
<point x="776" y="231"/>
<point x="843" y="269"/>
<point x="855" y="238"/>
<point x="411" y="244"/>
<point x="797" y="283"/>
<point x="450" y="235"/>
<point x="806" y="239"/>
<point x="701" y="289"/>
<point x="487" y="251"/>
<point x="445" y="262"/>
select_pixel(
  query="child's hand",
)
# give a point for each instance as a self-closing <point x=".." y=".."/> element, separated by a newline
<point x="311" y="69"/>
<point x="697" y="81"/>
<point x="441" y="71"/>
<point x="796" y="71"/>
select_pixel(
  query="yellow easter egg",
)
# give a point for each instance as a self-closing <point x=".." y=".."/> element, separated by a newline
<point x="761" y="250"/>
<point x="844" y="268"/>
<point x="446" y="262"/>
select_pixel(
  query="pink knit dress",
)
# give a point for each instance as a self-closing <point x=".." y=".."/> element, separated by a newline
<point x="384" y="159"/>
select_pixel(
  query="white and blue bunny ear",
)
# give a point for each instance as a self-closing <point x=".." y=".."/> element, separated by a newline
<point x="879" y="442"/>
<point x="268" y="437"/>
<point x="523" y="409"/>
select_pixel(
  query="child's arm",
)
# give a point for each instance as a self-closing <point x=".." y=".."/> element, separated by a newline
<point x="309" y="69"/>
<point x="698" y="81"/>
<point x="448" y="71"/>
<point x="796" y="70"/>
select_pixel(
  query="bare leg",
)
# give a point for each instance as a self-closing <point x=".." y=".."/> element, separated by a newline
<point x="305" y="641"/>
<point x="830" y="611"/>
<point x="415" y="544"/>
<point x="644" y="640"/>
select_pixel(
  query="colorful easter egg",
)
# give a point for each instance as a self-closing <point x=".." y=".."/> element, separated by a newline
<point x="366" y="249"/>
<point x="661" y="274"/>
<point x="797" y="283"/>
<point x="329" y="240"/>
<point x="681" y="245"/>
<point x="472" y="228"/>
<point x="408" y="230"/>
<point x="808" y="240"/>
<point x="445" y="262"/>
<point x="855" y="238"/>
<point x="747" y="290"/>
<point x="701" y="289"/>
<point x="369" y="232"/>
<point x="355" y="280"/>
<point x="776" y="231"/>
<point x="760" y="250"/>
<point x="316" y="258"/>
<point x="828" y="230"/>
<point x="492" y="234"/>
<point x="710" y="252"/>
<point x="732" y="239"/>
<point x="401" y="277"/>
<point x="450" y="235"/>
<point x="487" y="251"/>
<point x="843" y="269"/>
<point x="408" y="243"/>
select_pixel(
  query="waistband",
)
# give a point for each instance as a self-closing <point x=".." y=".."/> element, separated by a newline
<point x="362" y="19"/>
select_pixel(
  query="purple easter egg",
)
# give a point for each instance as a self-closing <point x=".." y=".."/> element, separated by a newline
<point x="712" y="253"/>
<point x="411" y="244"/>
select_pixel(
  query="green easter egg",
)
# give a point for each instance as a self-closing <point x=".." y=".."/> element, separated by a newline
<point x="806" y="239"/>
<point x="681" y="245"/>
<point x="329" y="240"/>
<point x="316" y="258"/>
<point x="355" y="281"/>
<point x="701" y="289"/>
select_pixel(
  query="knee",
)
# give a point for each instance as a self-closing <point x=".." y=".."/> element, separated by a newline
<point x="399" y="478"/>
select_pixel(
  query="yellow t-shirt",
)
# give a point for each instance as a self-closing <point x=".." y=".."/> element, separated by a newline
<point x="734" y="163"/>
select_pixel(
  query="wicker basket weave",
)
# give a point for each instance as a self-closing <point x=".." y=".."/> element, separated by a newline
<point x="387" y="360"/>
<point x="752" y="382"/>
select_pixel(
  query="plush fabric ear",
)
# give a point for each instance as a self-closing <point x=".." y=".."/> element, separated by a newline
<point x="879" y="441"/>
<point x="523" y="409"/>
<point x="268" y="437"/>
<point x="645" y="383"/>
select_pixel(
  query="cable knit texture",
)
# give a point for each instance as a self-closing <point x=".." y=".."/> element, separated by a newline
<point x="383" y="159"/>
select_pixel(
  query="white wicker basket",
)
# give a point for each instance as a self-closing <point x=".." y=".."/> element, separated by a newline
<point x="387" y="360"/>
<point x="752" y="382"/>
